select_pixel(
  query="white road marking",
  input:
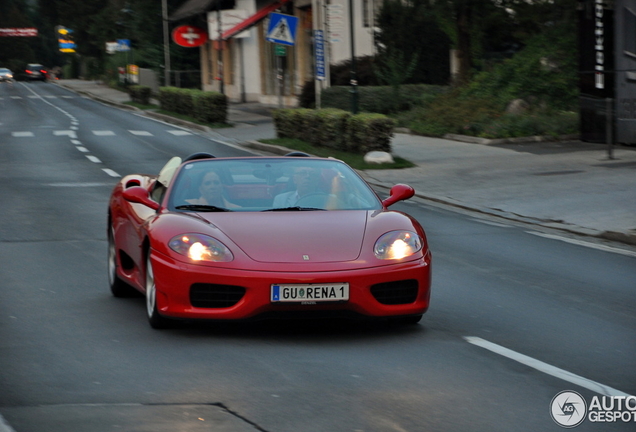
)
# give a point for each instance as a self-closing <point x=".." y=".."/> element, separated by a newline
<point x="485" y="222"/>
<point x="140" y="133"/>
<point x="177" y="132"/>
<point x="110" y="172"/>
<point x="76" y="142"/>
<point x="16" y="97"/>
<point x="21" y="134"/>
<point x="546" y="368"/>
<point x="68" y="133"/>
<point x="602" y="247"/>
<point x="103" y="133"/>
<point x="93" y="159"/>
<point x="82" y="149"/>
<point x="78" y="185"/>
<point x="4" y="426"/>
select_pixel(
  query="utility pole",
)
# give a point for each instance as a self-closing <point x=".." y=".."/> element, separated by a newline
<point x="166" y="43"/>
<point x="220" y="46"/>
<point x="354" y="80"/>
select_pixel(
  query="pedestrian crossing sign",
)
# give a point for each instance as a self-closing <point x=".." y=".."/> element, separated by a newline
<point x="282" y="29"/>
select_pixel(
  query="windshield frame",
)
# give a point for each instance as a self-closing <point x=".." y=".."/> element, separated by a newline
<point x="253" y="185"/>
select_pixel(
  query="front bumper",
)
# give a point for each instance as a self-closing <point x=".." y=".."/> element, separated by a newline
<point x="174" y="281"/>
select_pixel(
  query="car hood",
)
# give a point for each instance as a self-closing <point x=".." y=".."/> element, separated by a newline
<point x="295" y="237"/>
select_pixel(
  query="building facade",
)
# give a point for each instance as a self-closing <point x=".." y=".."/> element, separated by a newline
<point x="239" y="61"/>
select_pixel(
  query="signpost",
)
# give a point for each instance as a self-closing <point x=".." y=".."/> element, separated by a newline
<point x="281" y="31"/>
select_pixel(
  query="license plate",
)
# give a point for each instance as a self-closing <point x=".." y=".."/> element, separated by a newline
<point x="310" y="292"/>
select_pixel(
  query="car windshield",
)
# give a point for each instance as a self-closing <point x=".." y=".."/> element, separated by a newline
<point x="269" y="185"/>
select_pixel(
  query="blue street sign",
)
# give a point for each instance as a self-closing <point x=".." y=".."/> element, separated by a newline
<point x="282" y="29"/>
<point x="319" y="46"/>
<point x="123" y="45"/>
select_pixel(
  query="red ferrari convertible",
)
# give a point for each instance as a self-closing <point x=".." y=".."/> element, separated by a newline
<point x="265" y="237"/>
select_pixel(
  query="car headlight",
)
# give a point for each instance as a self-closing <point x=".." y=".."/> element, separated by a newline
<point x="199" y="247"/>
<point x="397" y="244"/>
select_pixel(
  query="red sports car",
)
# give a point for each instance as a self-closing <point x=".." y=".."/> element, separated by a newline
<point x="258" y="237"/>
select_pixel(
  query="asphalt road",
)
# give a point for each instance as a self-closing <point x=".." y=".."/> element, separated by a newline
<point x="515" y="317"/>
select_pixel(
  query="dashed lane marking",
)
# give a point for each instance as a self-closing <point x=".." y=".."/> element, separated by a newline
<point x="93" y="159"/>
<point x="110" y="172"/>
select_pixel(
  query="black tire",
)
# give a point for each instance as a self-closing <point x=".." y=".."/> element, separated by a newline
<point x="118" y="287"/>
<point x="155" y="319"/>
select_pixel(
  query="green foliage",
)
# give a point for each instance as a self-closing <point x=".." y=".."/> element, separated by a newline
<point x="367" y="132"/>
<point x="409" y="33"/>
<point x="381" y="99"/>
<point x="206" y="107"/>
<point x="353" y="160"/>
<point x="340" y="74"/>
<point x="140" y="94"/>
<point x="335" y="129"/>
<point x="210" y="107"/>
<point x="544" y="72"/>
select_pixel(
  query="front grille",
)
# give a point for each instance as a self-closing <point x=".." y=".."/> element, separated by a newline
<point x="204" y="295"/>
<point x="394" y="293"/>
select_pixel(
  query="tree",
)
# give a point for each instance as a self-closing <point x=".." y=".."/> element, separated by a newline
<point x="15" y="52"/>
<point x="408" y="31"/>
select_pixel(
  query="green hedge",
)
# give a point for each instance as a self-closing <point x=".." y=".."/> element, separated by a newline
<point x="381" y="99"/>
<point x="207" y="107"/>
<point x="140" y="94"/>
<point x="337" y="129"/>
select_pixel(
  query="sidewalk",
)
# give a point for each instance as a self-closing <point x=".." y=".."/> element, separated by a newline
<point x="570" y="186"/>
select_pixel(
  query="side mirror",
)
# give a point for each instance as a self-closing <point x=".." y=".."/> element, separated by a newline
<point x="399" y="192"/>
<point x="139" y="195"/>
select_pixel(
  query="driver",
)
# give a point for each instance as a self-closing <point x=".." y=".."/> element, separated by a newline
<point x="306" y="180"/>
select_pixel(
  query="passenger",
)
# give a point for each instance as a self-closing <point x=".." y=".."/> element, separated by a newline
<point x="211" y="190"/>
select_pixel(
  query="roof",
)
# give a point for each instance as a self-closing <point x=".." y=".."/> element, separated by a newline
<point x="191" y="8"/>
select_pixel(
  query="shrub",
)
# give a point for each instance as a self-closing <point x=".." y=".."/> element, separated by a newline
<point x="368" y="132"/>
<point x="140" y="94"/>
<point x="209" y="107"/>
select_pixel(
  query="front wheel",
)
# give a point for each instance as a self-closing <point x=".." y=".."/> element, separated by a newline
<point x="156" y="320"/>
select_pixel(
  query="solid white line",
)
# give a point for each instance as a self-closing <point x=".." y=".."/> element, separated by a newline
<point x="93" y="159"/>
<point x="584" y="243"/>
<point x="110" y="172"/>
<point x="546" y="368"/>
<point x="496" y="224"/>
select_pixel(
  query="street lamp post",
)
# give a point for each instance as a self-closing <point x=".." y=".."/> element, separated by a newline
<point x="354" y="80"/>
<point x="166" y="43"/>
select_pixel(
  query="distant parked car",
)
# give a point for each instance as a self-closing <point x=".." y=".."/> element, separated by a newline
<point x="6" y="75"/>
<point x="36" y="71"/>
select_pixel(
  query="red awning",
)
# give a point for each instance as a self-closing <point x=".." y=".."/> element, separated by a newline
<point x="254" y="19"/>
